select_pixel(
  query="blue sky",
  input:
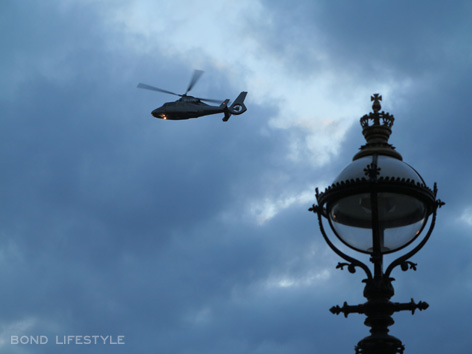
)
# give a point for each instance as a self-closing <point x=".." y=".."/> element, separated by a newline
<point x="194" y="236"/>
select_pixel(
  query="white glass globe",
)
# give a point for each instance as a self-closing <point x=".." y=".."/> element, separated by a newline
<point x="401" y="217"/>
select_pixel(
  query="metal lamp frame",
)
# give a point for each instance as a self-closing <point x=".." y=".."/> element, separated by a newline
<point x="378" y="285"/>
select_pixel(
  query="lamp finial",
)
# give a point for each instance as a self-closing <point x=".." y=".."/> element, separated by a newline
<point x="376" y="128"/>
<point x="376" y="105"/>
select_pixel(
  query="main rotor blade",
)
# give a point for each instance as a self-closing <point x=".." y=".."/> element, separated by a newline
<point x="152" y="88"/>
<point x="210" y="100"/>
<point x="195" y="77"/>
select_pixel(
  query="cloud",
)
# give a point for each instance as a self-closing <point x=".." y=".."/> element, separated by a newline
<point x="466" y="216"/>
<point x="267" y="209"/>
<point x="194" y="236"/>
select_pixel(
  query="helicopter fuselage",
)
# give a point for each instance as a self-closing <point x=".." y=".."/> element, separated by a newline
<point x="186" y="108"/>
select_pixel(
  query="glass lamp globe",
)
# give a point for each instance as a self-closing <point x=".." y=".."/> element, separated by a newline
<point x="401" y="211"/>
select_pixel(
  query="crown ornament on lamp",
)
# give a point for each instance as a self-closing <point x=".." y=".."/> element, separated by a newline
<point x="376" y="128"/>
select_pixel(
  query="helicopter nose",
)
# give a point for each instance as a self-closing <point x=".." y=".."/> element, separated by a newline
<point x="158" y="114"/>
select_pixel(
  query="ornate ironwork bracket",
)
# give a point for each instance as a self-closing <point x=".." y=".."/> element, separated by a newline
<point x="410" y="306"/>
<point x="408" y="265"/>
<point x="351" y="267"/>
<point x="319" y="211"/>
<point x="402" y="261"/>
<point x="347" y="309"/>
<point x="390" y="307"/>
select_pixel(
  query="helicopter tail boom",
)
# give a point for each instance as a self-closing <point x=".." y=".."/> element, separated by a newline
<point x="238" y="107"/>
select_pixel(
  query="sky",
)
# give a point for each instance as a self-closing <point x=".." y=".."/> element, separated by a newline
<point x="193" y="237"/>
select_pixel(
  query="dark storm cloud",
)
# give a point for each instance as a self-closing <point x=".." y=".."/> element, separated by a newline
<point x="112" y="224"/>
<point x="369" y="42"/>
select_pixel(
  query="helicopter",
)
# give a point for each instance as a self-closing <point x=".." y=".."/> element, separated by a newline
<point x="187" y="107"/>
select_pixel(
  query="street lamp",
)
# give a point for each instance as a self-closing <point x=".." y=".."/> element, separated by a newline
<point x="378" y="205"/>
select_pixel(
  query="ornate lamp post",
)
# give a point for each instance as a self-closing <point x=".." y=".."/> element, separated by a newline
<point x="378" y="205"/>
